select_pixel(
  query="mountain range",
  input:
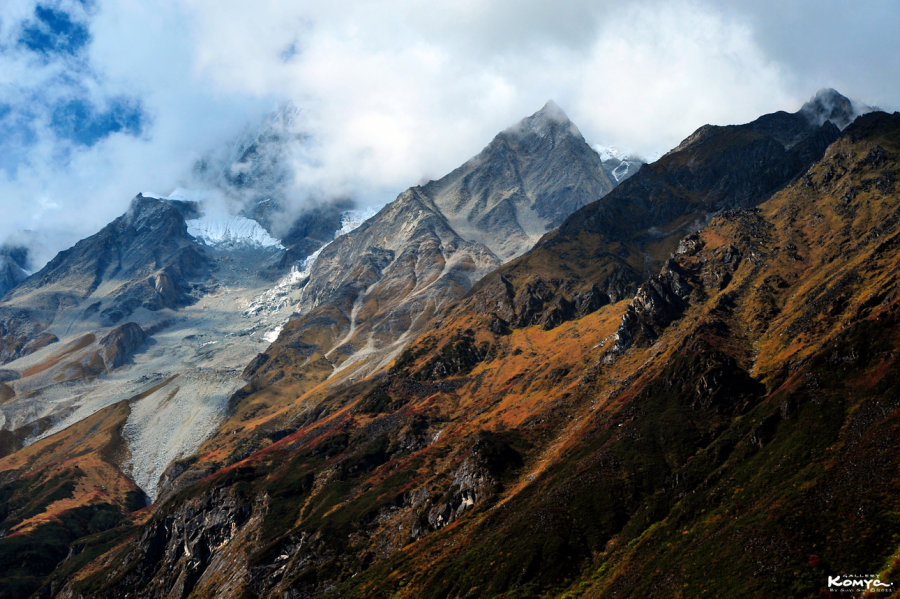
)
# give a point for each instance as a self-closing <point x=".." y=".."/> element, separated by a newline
<point x="552" y="372"/>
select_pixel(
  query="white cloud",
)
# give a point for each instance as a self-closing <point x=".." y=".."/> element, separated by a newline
<point x="391" y="92"/>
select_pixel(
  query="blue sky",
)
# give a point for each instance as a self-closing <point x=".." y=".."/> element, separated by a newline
<point x="55" y="40"/>
<point x="101" y="99"/>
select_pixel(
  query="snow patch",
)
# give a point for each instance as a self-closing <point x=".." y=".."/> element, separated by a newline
<point x="217" y="226"/>
<point x="230" y="230"/>
<point x="609" y="152"/>
<point x="352" y="219"/>
<point x="277" y="297"/>
<point x="272" y="336"/>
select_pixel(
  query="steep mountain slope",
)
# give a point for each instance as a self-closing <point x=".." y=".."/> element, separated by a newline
<point x="524" y="183"/>
<point x="143" y="259"/>
<point x="74" y="490"/>
<point x="721" y="421"/>
<point x="372" y="291"/>
<point x="134" y="329"/>
<point x="435" y="241"/>
<point x="603" y="251"/>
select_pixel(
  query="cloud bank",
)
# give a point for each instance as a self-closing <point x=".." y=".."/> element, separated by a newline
<point x="100" y="99"/>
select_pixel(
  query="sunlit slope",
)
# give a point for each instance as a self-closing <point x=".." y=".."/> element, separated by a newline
<point x="731" y="429"/>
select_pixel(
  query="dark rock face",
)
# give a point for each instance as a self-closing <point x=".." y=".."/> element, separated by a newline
<point x="174" y="551"/>
<point x="829" y="105"/>
<point x="715" y="169"/>
<point x="13" y="267"/>
<point x="657" y="303"/>
<point x="20" y="334"/>
<point x="149" y="237"/>
<point x="311" y="230"/>
<point x="690" y="276"/>
<point x="478" y="477"/>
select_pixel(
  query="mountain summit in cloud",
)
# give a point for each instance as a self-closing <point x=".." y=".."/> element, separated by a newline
<point x="524" y="183"/>
<point x="829" y="105"/>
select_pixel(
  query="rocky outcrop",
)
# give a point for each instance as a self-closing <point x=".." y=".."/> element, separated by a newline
<point x="117" y="347"/>
<point x="21" y="333"/>
<point x="478" y="477"/>
<point x="183" y="551"/>
<point x="657" y="303"/>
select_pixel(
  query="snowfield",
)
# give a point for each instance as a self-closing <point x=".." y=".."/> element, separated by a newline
<point x="229" y="229"/>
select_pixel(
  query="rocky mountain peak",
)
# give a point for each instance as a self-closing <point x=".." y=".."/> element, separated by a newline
<point x="830" y="105"/>
<point x="549" y="120"/>
<point x="145" y="211"/>
<point x="524" y="183"/>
